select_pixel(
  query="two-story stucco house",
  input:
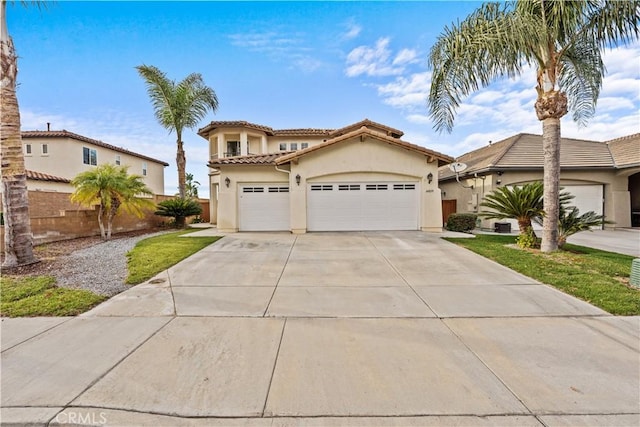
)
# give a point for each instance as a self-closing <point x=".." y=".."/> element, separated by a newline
<point x="360" y="177"/>
<point x="53" y="158"/>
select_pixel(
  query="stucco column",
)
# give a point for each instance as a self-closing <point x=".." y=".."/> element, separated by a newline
<point x="221" y="147"/>
<point x="431" y="209"/>
<point x="243" y="143"/>
<point x="297" y="202"/>
<point x="263" y="144"/>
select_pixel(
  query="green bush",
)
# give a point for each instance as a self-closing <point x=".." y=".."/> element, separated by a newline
<point x="179" y="209"/>
<point x="464" y="222"/>
<point x="527" y="240"/>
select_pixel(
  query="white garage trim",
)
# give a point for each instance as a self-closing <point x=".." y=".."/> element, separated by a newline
<point x="263" y="207"/>
<point x="361" y="206"/>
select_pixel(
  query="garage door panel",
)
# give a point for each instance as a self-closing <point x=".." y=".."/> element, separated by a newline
<point x="362" y="206"/>
<point x="263" y="208"/>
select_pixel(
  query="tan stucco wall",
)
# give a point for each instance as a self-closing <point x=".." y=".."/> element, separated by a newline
<point x="367" y="161"/>
<point x="59" y="187"/>
<point x="65" y="160"/>
<point x="616" y="193"/>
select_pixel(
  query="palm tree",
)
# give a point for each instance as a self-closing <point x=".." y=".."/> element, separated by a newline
<point x="111" y="187"/>
<point x="191" y="186"/>
<point x="522" y="203"/>
<point x="18" y="241"/>
<point x="178" y="105"/>
<point x="179" y="209"/>
<point x="562" y="39"/>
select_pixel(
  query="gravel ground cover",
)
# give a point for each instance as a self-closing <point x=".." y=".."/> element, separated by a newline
<point x="87" y="263"/>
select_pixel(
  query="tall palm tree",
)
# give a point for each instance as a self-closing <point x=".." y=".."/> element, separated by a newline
<point x="112" y="188"/>
<point x="18" y="241"/>
<point x="178" y="105"/>
<point x="563" y="40"/>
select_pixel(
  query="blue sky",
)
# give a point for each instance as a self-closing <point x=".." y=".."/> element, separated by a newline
<point x="284" y="65"/>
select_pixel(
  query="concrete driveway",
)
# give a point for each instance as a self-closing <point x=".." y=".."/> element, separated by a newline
<point x="366" y="329"/>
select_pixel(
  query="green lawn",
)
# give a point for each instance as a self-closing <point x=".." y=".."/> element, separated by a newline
<point x="155" y="254"/>
<point x="598" y="277"/>
<point x="39" y="296"/>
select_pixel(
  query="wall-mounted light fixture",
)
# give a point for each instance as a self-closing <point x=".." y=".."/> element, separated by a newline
<point x="298" y="179"/>
<point x="430" y="177"/>
<point x="227" y="181"/>
<point x="499" y="173"/>
<point x="499" y="182"/>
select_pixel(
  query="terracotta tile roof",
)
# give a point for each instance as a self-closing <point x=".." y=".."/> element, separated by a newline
<point x="302" y="132"/>
<point x="204" y="132"/>
<point x="625" y="150"/>
<point x="524" y="151"/>
<point x="443" y="159"/>
<point x="66" y="134"/>
<point x="37" y="176"/>
<point x="368" y="123"/>
<point x="253" y="159"/>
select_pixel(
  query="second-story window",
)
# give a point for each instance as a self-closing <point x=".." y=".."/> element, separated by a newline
<point x="283" y="146"/>
<point x="294" y="146"/>
<point x="27" y="149"/>
<point x="89" y="156"/>
<point x="304" y="145"/>
<point x="144" y="169"/>
<point x="45" y="149"/>
<point x="233" y="148"/>
<point x="118" y="159"/>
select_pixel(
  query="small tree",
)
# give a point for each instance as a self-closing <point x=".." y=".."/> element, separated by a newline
<point x="111" y="187"/>
<point x="179" y="209"/>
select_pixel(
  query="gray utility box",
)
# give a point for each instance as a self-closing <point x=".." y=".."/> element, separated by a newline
<point x="502" y="227"/>
<point x="635" y="272"/>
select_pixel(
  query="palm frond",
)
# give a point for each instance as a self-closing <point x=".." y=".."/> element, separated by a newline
<point x="492" y="42"/>
<point x="160" y="90"/>
<point x="580" y="78"/>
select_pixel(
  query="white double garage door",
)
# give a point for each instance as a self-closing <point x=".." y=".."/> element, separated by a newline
<point x="339" y="206"/>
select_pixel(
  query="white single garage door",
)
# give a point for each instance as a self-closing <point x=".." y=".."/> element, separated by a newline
<point x="363" y="206"/>
<point x="587" y="198"/>
<point x="263" y="207"/>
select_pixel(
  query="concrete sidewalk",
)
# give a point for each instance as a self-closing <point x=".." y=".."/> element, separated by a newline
<point x="330" y="329"/>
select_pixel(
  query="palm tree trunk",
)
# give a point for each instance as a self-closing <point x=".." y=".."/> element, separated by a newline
<point x="181" y="162"/>
<point x="15" y="197"/>
<point x="551" y="179"/>
<point x="550" y="106"/>
<point x="101" y="222"/>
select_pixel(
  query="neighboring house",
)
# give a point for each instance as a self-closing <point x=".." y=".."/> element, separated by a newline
<point x="604" y="177"/>
<point x="360" y="177"/>
<point x="54" y="158"/>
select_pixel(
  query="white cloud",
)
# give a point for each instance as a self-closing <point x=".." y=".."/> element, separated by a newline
<point x="405" y="56"/>
<point x="408" y="93"/>
<point x="279" y="47"/>
<point x="353" y="31"/>
<point x="372" y="61"/>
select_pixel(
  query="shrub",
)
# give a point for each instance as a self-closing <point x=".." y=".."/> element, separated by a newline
<point x="528" y="239"/>
<point x="464" y="222"/>
<point x="179" y="209"/>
